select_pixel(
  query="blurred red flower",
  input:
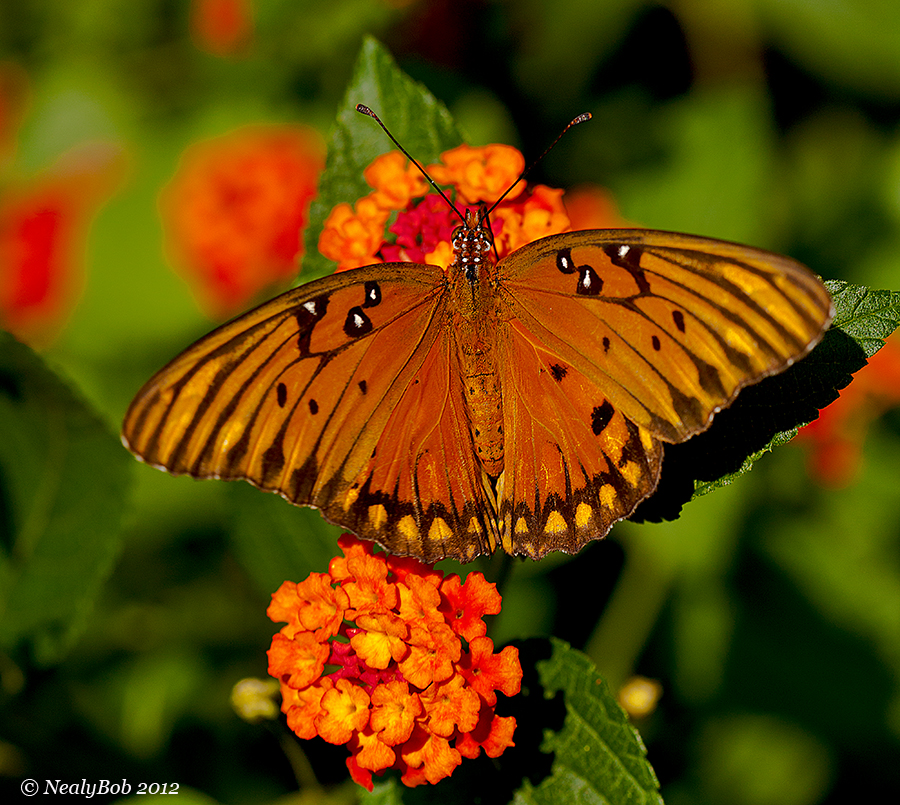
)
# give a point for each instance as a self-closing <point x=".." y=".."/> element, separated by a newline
<point x="835" y="440"/>
<point x="221" y="27"/>
<point x="234" y="212"/>
<point x="43" y="229"/>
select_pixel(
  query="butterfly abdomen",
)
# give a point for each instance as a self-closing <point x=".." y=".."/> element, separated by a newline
<point x="484" y="404"/>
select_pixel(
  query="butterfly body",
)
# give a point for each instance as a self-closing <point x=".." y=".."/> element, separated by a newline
<point x="477" y="317"/>
<point x="522" y="403"/>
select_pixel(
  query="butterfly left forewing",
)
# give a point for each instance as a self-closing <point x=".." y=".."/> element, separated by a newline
<point x="647" y="333"/>
<point x="294" y="395"/>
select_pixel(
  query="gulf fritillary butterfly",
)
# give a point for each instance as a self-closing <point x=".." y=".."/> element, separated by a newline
<point x="521" y="403"/>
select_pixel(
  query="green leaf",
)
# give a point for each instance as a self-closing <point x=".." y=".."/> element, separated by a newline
<point x="865" y="315"/>
<point x="599" y="756"/>
<point x="276" y="541"/>
<point x="64" y="482"/>
<point x="415" y="117"/>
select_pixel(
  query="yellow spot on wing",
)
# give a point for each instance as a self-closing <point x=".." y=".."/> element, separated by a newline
<point x="583" y="515"/>
<point x="439" y="530"/>
<point x="377" y="515"/>
<point x="607" y="495"/>
<point x="521" y="526"/>
<point x="505" y="535"/>
<point x="408" y="528"/>
<point x="474" y="526"/>
<point x="631" y="472"/>
<point x="350" y="499"/>
<point x="555" y="523"/>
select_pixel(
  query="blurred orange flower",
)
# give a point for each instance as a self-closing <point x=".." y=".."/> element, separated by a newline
<point x="221" y="27"/>
<point x="835" y="440"/>
<point x="422" y="223"/>
<point x="406" y="693"/>
<point x="234" y="212"/>
<point x="43" y="231"/>
<point x="591" y="207"/>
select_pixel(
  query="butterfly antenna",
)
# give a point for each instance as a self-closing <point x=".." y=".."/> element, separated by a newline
<point x="362" y="109"/>
<point x="580" y="119"/>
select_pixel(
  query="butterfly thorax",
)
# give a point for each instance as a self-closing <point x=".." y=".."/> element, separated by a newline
<point x="475" y="310"/>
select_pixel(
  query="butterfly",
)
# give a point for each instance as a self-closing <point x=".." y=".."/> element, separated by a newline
<point x="522" y="403"/>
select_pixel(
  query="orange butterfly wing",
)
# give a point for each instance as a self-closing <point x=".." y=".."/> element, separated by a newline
<point x="620" y="340"/>
<point x="339" y="394"/>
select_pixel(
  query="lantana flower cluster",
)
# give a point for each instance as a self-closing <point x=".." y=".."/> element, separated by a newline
<point x="234" y="212"/>
<point x="403" y="219"/>
<point x="389" y="656"/>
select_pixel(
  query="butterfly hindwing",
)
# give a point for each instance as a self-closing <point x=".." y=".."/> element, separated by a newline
<point x="576" y="465"/>
<point x="423" y="492"/>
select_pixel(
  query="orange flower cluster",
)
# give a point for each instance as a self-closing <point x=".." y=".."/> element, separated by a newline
<point x="235" y="210"/>
<point x="414" y="678"/>
<point x="836" y="438"/>
<point x="423" y="223"/>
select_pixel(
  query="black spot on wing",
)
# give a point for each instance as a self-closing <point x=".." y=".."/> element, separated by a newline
<point x="373" y="294"/>
<point x="601" y="416"/>
<point x="313" y="407"/>
<point x="558" y="372"/>
<point x="281" y="394"/>
<point x="589" y="282"/>
<point x="678" y="318"/>
<point x="655" y="341"/>
<point x="605" y="344"/>
<point x="357" y="323"/>
<point x="363" y="386"/>
<point x="273" y="459"/>
<point x="308" y="315"/>
<point x="629" y="258"/>
<point x="564" y="261"/>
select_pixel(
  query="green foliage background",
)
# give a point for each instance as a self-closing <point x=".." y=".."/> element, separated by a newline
<point x="769" y="611"/>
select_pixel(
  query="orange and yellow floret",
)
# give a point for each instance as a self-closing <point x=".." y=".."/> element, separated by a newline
<point x="420" y="223"/>
<point x="389" y="656"/>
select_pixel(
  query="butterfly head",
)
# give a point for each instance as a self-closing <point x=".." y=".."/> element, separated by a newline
<point x="472" y="243"/>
